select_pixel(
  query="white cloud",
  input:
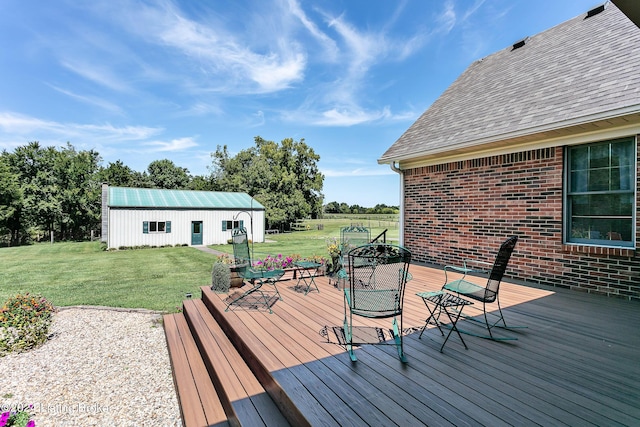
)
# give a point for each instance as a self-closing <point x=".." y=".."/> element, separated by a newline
<point x="259" y="119"/>
<point x="335" y="117"/>
<point x="99" y="102"/>
<point x="179" y="144"/>
<point x="220" y="54"/>
<point x="202" y="109"/>
<point x="328" y="44"/>
<point x="95" y="73"/>
<point x="472" y="9"/>
<point x="21" y="126"/>
<point x="447" y="19"/>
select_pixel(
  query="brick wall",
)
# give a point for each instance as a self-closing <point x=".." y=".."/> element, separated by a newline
<point x="466" y="209"/>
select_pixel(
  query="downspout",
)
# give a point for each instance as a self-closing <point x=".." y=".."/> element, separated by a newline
<point x="401" y="219"/>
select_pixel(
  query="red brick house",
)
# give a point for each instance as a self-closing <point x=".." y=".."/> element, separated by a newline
<point x="538" y="140"/>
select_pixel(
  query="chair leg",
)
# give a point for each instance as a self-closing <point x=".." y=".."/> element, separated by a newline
<point x="272" y="282"/>
<point x="348" y="335"/>
<point x="397" y="335"/>
<point x="486" y="319"/>
<point x="348" y="331"/>
<point x="500" y="317"/>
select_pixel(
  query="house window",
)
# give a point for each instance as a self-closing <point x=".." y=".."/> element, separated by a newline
<point x="601" y="193"/>
<point x="156" y="227"/>
<point x="230" y="225"/>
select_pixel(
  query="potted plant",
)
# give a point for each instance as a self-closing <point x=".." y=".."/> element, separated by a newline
<point x="236" y="278"/>
<point x="220" y="277"/>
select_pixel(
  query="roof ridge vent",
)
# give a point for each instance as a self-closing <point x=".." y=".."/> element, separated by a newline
<point x="519" y="44"/>
<point x="596" y="10"/>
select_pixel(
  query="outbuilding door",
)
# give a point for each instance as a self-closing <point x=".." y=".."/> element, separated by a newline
<point x="196" y="233"/>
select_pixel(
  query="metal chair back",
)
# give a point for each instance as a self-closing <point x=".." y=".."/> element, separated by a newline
<point x="241" y="254"/>
<point x="378" y="274"/>
<point x="499" y="267"/>
<point x="354" y="236"/>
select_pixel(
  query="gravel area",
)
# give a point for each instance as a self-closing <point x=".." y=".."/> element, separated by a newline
<point x="101" y="367"/>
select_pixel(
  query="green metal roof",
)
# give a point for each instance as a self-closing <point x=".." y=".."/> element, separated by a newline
<point x="155" y="198"/>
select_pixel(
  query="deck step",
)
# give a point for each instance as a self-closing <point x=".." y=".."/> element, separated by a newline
<point x="244" y="399"/>
<point x="237" y="335"/>
<point x="199" y="402"/>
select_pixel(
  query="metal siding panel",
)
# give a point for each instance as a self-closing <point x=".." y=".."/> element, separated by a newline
<point x="125" y="227"/>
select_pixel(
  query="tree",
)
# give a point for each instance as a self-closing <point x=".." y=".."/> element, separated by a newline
<point x="201" y="183"/>
<point x="60" y="193"/>
<point x="76" y="174"/>
<point x="332" y="207"/>
<point x="117" y="174"/>
<point x="10" y="200"/>
<point x="41" y="204"/>
<point x="165" y="174"/>
<point x="283" y="177"/>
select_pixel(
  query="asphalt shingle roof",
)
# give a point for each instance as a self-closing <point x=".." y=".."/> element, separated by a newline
<point x="573" y="71"/>
<point x="156" y="198"/>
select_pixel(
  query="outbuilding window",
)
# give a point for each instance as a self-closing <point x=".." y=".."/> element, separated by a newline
<point x="156" y="227"/>
<point x="230" y="225"/>
<point x="601" y="193"/>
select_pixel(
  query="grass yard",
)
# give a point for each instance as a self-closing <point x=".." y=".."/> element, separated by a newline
<point x="313" y="241"/>
<point x="80" y="273"/>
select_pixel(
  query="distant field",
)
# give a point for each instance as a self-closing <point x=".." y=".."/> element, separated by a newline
<point x="313" y="241"/>
<point x="72" y="273"/>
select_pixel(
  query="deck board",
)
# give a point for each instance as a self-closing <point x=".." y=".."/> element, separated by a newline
<point x="248" y="401"/>
<point x="199" y="402"/>
<point x="576" y="363"/>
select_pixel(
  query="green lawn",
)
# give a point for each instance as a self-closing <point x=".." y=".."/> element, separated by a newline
<point x="313" y="241"/>
<point x="72" y="273"/>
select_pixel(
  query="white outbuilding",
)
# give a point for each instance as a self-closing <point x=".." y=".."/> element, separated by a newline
<point x="152" y="217"/>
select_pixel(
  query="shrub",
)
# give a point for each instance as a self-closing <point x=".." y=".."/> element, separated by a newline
<point x="225" y="259"/>
<point x="220" y="277"/>
<point x="24" y="323"/>
<point x="17" y="418"/>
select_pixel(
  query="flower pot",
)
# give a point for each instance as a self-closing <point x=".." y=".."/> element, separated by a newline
<point x="236" y="279"/>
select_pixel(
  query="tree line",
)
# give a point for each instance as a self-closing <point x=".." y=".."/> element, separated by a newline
<point x="343" y="208"/>
<point x="57" y="191"/>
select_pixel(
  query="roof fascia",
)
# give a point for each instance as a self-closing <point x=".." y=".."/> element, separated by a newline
<point x="487" y="151"/>
<point x="493" y="140"/>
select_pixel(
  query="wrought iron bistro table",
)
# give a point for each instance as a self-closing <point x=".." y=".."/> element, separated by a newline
<point x="451" y="304"/>
<point x="308" y="271"/>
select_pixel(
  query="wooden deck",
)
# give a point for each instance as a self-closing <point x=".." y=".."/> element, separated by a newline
<point x="576" y="363"/>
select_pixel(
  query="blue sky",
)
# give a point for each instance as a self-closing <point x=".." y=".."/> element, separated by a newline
<point x="142" y="80"/>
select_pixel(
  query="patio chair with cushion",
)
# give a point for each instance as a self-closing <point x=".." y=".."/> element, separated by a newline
<point x="487" y="294"/>
<point x="257" y="277"/>
<point x="377" y="274"/>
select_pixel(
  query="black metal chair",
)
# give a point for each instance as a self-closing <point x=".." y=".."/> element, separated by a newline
<point x="255" y="276"/>
<point x="377" y="274"/>
<point x="486" y="294"/>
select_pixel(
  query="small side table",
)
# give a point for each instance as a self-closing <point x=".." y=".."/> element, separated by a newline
<point x="444" y="301"/>
<point x="308" y="272"/>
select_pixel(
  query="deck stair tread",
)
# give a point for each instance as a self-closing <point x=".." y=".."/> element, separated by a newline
<point x="199" y="402"/>
<point x="245" y="400"/>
